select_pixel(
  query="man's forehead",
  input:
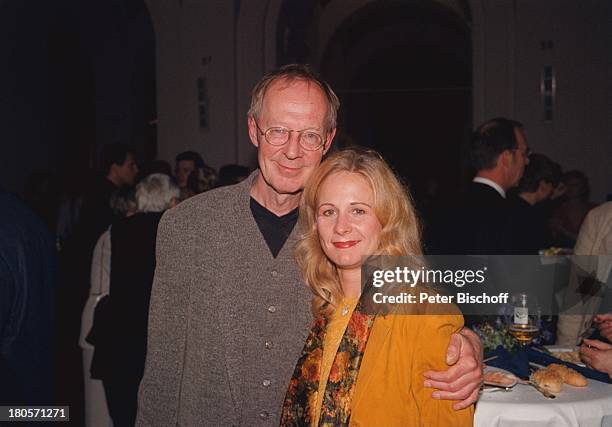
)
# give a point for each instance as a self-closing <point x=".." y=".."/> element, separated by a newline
<point x="295" y="88"/>
<point x="294" y="96"/>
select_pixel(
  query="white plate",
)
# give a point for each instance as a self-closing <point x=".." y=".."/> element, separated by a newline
<point x="494" y="386"/>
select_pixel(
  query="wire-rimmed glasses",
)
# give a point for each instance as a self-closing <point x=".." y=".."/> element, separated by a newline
<point x="278" y="135"/>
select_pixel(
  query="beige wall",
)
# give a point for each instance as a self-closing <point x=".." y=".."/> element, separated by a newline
<point x="188" y="34"/>
<point x="507" y="55"/>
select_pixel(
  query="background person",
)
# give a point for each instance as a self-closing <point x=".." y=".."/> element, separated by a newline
<point x="594" y="238"/>
<point x="568" y="217"/>
<point x="199" y="181"/>
<point x="185" y="163"/>
<point x="597" y="355"/>
<point x="529" y="227"/>
<point x="121" y="326"/>
<point x="478" y="221"/>
<point x="123" y="204"/>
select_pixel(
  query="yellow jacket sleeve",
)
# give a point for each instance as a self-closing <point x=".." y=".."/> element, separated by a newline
<point x="390" y="387"/>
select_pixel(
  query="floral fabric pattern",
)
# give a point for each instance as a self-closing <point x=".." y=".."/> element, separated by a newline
<point x="299" y="405"/>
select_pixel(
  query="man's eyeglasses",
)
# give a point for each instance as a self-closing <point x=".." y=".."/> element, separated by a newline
<point x="308" y="139"/>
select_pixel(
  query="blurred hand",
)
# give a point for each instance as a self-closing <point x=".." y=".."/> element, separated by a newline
<point x="602" y="317"/>
<point x="597" y="355"/>
<point x="463" y="379"/>
<point x="603" y="322"/>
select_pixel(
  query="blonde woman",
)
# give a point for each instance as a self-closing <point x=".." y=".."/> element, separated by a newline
<point x="358" y="368"/>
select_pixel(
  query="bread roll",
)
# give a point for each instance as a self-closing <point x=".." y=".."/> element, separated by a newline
<point x="575" y="378"/>
<point x="561" y="370"/>
<point x="548" y="380"/>
<point x="568" y="375"/>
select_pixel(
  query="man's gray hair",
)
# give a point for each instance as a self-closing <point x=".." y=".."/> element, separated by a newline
<point x="155" y="193"/>
<point x="290" y="73"/>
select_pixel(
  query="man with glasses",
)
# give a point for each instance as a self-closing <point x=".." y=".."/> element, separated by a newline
<point x="229" y="313"/>
<point x="478" y="222"/>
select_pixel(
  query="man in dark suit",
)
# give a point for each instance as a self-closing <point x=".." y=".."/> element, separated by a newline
<point x="479" y="218"/>
<point x="478" y="221"/>
<point x="119" y="169"/>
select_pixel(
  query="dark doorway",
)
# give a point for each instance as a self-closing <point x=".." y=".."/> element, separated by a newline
<point x="403" y="74"/>
<point x="72" y="99"/>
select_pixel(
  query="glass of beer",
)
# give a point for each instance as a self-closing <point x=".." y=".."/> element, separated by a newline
<point x="525" y="321"/>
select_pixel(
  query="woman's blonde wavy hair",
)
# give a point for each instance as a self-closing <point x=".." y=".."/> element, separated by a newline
<point x="400" y="235"/>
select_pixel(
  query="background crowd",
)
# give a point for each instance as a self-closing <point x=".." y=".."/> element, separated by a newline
<point x="104" y="246"/>
<point x="65" y="238"/>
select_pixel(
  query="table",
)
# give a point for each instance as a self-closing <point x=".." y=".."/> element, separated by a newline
<point x="525" y="406"/>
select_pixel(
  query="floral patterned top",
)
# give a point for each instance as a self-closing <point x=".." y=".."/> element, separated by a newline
<point x="333" y="335"/>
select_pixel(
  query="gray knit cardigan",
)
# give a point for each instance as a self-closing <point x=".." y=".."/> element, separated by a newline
<point x="227" y="320"/>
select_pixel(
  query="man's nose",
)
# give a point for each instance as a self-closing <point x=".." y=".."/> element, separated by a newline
<point x="292" y="147"/>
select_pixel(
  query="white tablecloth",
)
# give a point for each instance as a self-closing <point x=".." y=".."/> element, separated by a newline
<point x="524" y="406"/>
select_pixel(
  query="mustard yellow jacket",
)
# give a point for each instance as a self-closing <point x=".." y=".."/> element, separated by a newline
<point x="389" y="389"/>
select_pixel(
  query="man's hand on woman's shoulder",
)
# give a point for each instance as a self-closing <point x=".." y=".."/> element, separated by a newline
<point x="462" y="380"/>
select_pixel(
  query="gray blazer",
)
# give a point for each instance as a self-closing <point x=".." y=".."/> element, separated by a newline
<point x="227" y="320"/>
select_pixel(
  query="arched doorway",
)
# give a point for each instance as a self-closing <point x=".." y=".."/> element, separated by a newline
<point x="102" y="80"/>
<point x="403" y="74"/>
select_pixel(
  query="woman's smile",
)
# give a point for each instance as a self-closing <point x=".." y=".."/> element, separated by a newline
<point x="346" y="244"/>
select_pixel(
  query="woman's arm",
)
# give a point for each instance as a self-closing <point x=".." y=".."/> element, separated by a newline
<point x="436" y="332"/>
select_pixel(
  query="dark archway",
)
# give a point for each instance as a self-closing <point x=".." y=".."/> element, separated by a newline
<point x="403" y="74"/>
<point x="101" y="80"/>
<point x="71" y="96"/>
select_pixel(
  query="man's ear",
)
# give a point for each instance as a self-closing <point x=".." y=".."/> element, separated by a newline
<point x="253" y="131"/>
<point x="505" y="158"/>
<point x="328" y="141"/>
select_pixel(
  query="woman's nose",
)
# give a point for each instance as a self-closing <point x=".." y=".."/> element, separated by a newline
<point x="343" y="224"/>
